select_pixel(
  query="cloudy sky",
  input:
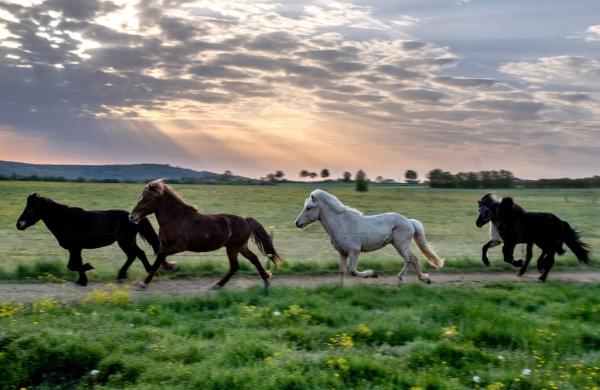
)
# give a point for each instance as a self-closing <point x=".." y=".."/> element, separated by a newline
<point x="258" y="86"/>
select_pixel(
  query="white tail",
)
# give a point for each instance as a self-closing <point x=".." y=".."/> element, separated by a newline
<point x="419" y="237"/>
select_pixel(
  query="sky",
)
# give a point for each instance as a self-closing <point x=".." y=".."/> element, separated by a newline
<point x="258" y="86"/>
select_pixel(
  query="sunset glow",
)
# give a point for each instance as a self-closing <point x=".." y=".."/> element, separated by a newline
<point x="258" y="86"/>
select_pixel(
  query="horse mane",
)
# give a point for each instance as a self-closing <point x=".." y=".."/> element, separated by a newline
<point x="508" y="203"/>
<point x="490" y="198"/>
<point x="330" y="200"/>
<point x="49" y="202"/>
<point x="163" y="188"/>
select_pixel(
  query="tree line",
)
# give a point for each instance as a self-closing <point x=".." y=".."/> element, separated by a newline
<point x="439" y="178"/>
<point x="483" y="179"/>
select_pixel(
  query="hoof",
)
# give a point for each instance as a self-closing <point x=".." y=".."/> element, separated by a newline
<point x="121" y="280"/>
<point x="374" y="275"/>
<point x="428" y="281"/>
<point x="401" y="281"/>
<point x="215" y="286"/>
<point x="269" y="274"/>
<point x="142" y="285"/>
<point x="486" y="262"/>
<point x="80" y="283"/>
<point x="541" y="279"/>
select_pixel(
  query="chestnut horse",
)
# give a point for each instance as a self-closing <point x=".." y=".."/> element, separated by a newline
<point x="183" y="228"/>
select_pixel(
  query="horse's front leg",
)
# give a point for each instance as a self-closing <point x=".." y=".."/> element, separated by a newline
<point x="343" y="267"/>
<point x="490" y="244"/>
<point x="160" y="259"/>
<point x="507" y="251"/>
<point x="353" y="257"/>
<point x="527" y="259"/>
<point x="76" y="264"/>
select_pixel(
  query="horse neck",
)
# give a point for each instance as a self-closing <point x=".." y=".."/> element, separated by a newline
<point x="53" y="216"/>
<point x="330" y="219"/>
<point x="169" y="207"/>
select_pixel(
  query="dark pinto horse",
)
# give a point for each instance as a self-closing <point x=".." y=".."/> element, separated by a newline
<point x="516" y="225"/>
<point x="183" y="228"/>
<point x="77" y="229"/>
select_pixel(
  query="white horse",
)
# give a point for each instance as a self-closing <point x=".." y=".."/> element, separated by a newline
<point x="351" y="233"/>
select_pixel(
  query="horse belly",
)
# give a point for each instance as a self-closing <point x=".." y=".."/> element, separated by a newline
<point x="376" y="242"/>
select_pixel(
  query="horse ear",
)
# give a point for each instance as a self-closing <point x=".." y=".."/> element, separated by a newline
<point x="312" y="197"/>
<point x="33" y="195"/>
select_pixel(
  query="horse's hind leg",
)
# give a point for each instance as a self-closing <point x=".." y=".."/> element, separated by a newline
<point x="527" y="259"/>
<point x="265" y="275"/>
<point x="549" y="263"/>
<point x="353" y="257"/>
<point x="234" y="265"/>
<point x="129" y="247"/>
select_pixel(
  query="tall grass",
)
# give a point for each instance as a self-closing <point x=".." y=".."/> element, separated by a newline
<point x="497" y="336"/>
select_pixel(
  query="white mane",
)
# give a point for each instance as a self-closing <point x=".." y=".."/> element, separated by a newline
<point x="332" y="202"/>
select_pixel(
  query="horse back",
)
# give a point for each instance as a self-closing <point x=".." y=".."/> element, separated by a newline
<point x="205" y="233"/>
<point x="94" y="229"/>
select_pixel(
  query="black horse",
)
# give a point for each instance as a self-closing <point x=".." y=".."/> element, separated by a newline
<point x="516" y="225"/>
<point x="77" y="229"/>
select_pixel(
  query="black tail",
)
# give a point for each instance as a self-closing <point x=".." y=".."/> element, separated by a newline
<point x="148" y="234"/>
<point x="580" y="248"/>
<point x="263" y="241"/>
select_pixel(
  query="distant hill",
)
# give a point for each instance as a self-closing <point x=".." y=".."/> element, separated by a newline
<point x="120" y="172"/>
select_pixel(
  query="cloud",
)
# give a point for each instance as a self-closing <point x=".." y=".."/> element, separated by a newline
<point x="465" y="81"/>
<point x="562" y="70"/>
<point x="288" y="70"/>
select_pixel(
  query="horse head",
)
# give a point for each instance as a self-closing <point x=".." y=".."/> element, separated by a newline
<point x="487" y="207"/>
<point x="148" y="200"/>
<point x="32" y="212"/>
<point x="310" y="213"/>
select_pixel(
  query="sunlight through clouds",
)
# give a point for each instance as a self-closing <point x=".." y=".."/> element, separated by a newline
<point x="309" y="81"/>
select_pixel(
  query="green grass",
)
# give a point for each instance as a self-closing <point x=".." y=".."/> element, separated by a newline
<point x="448" y="216"/>
<point x="326" y="338"/>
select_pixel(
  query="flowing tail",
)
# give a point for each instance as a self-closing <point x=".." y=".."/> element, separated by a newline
<point x="580" y="248"/>
<point x="419" y="237"/>
<point x="263" y="241"/>
<point x="148" y="234"/>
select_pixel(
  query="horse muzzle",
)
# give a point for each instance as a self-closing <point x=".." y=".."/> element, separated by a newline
<point x="299" y="225"/>
<point x="133" y="218"/>
<point x="21" y="225"/>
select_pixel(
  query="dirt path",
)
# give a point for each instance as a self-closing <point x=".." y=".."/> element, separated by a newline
<point x="29" y="292"/>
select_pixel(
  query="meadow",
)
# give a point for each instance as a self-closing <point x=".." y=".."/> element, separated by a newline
<point x="447" y="214"/>
<point x="494" y="336"/>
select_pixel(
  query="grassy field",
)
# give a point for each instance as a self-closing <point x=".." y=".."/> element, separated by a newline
<point x="448" y="216"/>
<point x="510" y="336"/>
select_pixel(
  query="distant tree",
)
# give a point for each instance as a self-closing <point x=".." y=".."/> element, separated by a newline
<point x="410" y="175"/>
<point x="441" y="179"/>
<point x="379" y="179"/>
<point x="324" y="173"/>
<point x="304" y="173"/>
<point x="226" y="176"/>
<point x="279" y="175"/>
<point x="312" y="175"/>
<point x="347" y="177"/>
<point x="362" y="185"/>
